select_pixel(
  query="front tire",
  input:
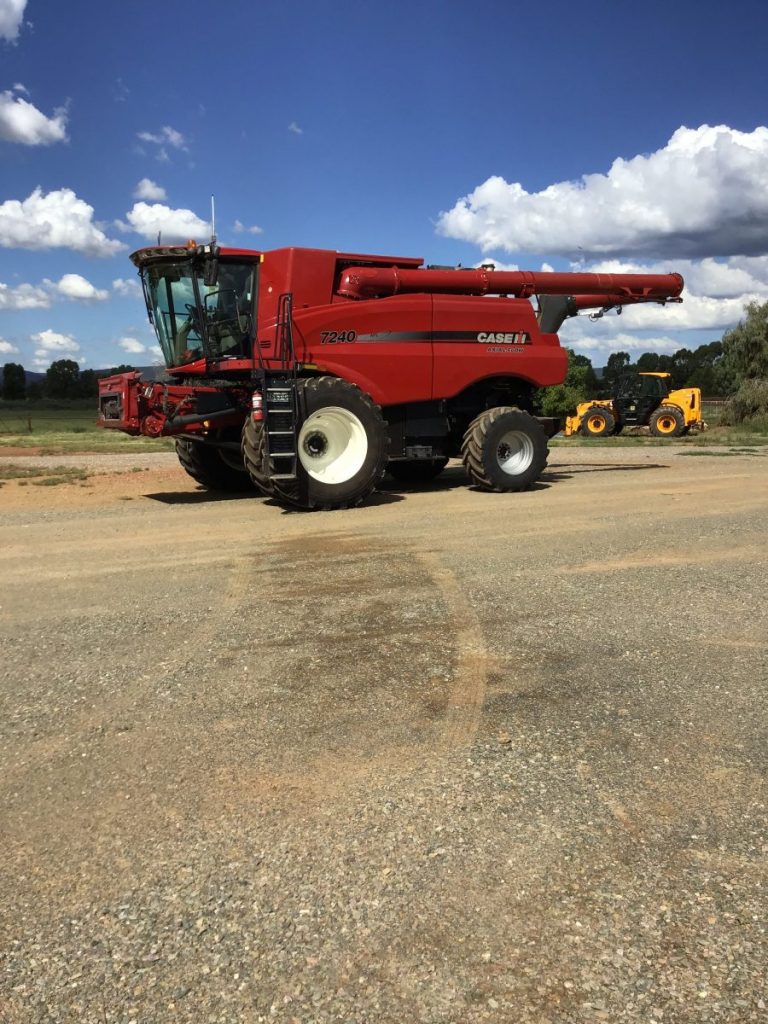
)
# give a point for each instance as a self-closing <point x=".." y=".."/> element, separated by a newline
<point x="597" y="422"/>
<point x="254" y="449"/>
<point x="213" y="468"/>
<point x="667" y="421"/>
<point x="504" y="449"/>
<point x="341" y="447"/>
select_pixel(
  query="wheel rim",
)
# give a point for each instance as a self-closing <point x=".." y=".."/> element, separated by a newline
<point x="514" y="452"/>
<point x="595" y="424"/>
<point x="332" y="445"/>
<point x="667" y="424"/>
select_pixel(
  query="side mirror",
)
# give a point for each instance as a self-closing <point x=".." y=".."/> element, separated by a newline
<point x="211" y="272"/>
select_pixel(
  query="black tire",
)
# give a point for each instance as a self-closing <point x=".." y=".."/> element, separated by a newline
<point x="416" y="471"/>
<point x="598" y="422"/>
<point x="504" y="449"/>
<point x="341" y="447"/>
<point x="213" y="468"/>
<point x="667" y="421"/>
<point x="254" y="448"/>
<point x="618" y="429"/>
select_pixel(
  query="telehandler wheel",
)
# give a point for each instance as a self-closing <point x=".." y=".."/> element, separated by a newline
<point x="598" y="422"/>
<point x="214" y="468"/>
<point x="416" y="471"/>
<point x="667" y="421"/>
<point x="504" y="449"/>
<point x="254" y="448"/>
<point x="341" y="447"/>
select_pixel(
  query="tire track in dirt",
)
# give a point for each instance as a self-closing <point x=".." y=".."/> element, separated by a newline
<point x="473" y="662"/>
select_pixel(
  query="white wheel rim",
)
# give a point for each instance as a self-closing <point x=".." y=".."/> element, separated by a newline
<point x="514" y="452"/>
<point x="332" y="445"/>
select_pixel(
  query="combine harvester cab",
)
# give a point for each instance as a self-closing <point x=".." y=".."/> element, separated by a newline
<point x="306" y="374"/>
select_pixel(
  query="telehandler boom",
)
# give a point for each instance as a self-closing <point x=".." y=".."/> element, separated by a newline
<point x="308" y="373"/>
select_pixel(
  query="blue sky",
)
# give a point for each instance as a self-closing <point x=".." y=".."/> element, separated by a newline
<point x="551" y="134"/>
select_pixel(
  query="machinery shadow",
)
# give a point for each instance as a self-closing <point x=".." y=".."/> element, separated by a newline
<point x="201" y="497"/>
<point x="598" y="467"/>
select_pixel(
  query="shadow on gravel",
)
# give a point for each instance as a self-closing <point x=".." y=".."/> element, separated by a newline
<point x="599" y="467"/>
<point x="199" y="497"/>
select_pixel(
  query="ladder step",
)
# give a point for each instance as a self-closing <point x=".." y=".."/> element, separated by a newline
<point x="282" y="476"/>
<point x="279" y="433"/>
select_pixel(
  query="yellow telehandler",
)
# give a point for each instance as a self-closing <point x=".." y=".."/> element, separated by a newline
<point x="642" y="400"/>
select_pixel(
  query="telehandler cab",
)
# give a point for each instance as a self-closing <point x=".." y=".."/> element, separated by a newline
<point x="308" y="373"/>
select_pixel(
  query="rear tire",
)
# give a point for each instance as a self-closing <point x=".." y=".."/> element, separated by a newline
<point x="211" y="467"/>
<point x="667" y="421"/>
<point x="598" y="422"/>
<point x="504" y="449"/>
<point x="416" y="471"/>
<point x="341" y="447"/>
<point x="254" y="448"/>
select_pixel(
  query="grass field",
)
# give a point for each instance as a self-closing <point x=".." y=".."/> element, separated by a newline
<point x="55" y="427"/>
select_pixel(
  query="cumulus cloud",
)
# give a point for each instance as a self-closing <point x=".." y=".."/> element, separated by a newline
<point x="40" y="296"/>
<point x="21" y="121"/>
<point x="57" y="219"/>
<point x="148" y="189"/>
<point x="127" y="287"/>
<point x="173" y="225"/>
<point x="24" y="296"/>
<point x="133" y="346"/>
<point x="11" y="16"/>
<point x="78" y="289"/>
<point x="254" y="229"/>
<point x="51" y="345"/>
<point x="293" y="127"/>
<point x="7" y="348"/>
<point x="705" y="193"/>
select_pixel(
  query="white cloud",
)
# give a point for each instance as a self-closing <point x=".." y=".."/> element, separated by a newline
<point x="174" y="225"/>
<point x="39" y="296"/>
<point x="599" y="342"/>
<point x="11" y="15"/>
<point x="21" y="121"/>
<point x="52" y="345"/>
<point x="77" y="288"/>
<point x="54" y="220"/>
<point x="128" y="287"/>
<point x="293" y="127"/>
<point x="23" y="296"/>
<point x="167" y="136"/>
<point x="7" y="348"/>
<point x="254" y="229"/>
<point x="132" y="345"/>
<point x="148" y="189"/>
<point x="703" y="194"/>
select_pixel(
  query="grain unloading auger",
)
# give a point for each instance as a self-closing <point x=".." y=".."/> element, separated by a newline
<point x="309" y="373"/>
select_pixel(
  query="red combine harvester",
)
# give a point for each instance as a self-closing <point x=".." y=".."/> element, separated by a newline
<point x="308" y="373"/>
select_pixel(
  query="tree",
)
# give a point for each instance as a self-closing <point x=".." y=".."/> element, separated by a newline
<point x="62" y="379"/>
<point x="88" y="385"/>
<point x="617" y="366"/>
<point x="580" y="384"/>
<point x="14" y="381"/>
<point x="746" y="347"/>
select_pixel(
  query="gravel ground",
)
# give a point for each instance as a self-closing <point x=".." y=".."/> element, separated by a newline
<point x="451" y="757"/>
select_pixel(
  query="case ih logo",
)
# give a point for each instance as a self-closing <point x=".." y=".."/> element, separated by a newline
<point x="502" y="338"/>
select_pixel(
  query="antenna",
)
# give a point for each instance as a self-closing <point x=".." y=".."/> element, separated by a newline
<point x="159" y="236"/>
<point x="213" y="219"/>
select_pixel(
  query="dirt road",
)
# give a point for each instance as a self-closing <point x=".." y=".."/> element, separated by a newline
<point x="449" y="757"/>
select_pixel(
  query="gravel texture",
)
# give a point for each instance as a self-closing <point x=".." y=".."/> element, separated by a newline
<point x="451" y="757"/>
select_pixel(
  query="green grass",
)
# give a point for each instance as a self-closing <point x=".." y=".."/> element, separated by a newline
<point x="40" y="476"/>
<point x="57" y="428"/>
<point x="741" y="435"/>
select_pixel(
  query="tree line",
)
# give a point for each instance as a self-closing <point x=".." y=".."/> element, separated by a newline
<point x="63" y="380"/>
